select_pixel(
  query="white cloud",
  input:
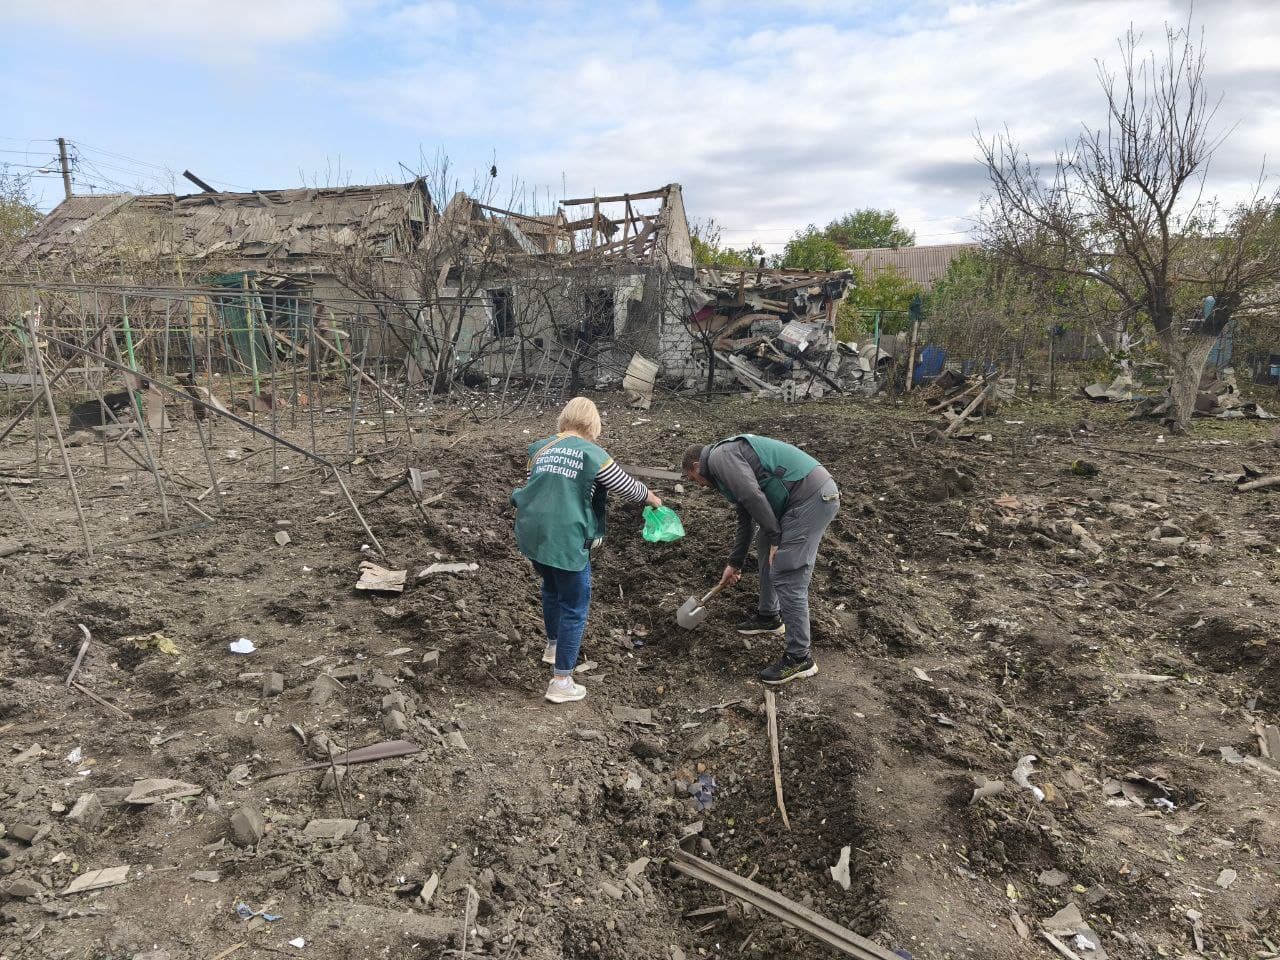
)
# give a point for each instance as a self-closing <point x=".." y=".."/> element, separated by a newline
<point x="216" y="23"/>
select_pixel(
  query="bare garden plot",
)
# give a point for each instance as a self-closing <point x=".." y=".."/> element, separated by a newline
<point x="961" y="624"/>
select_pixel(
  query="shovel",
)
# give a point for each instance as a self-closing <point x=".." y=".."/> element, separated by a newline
<point x="694" y="611"/>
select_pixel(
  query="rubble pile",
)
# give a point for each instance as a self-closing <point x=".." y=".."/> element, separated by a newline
<point x="775" y="331"/>
<point x="1219" y="396"/>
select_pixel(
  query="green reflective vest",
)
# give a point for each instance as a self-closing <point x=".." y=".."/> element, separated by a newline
<point x="557" y="518"/>
<point x="780" y="464"/>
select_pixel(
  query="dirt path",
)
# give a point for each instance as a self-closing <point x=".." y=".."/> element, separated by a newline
<point x="961" y="625"/>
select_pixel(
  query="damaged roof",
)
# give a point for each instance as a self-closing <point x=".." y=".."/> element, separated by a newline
<point x="269" y="225"/>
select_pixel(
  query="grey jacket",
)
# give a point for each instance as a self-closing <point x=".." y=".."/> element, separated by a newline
<point x="736" y="466"/>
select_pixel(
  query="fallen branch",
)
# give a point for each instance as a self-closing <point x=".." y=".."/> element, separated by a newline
<point x="84" y="648"/>
<point x="98" y="700"/>
<point x="771" y="709"/>
<point x="1259" y="484"/>
<point x="762" y="898"/>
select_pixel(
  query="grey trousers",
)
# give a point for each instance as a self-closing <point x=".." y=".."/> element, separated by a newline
<point x="784" y="587"/>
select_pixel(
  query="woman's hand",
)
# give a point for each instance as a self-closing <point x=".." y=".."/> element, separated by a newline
<point x="773" y="552"/>
<point x="653" y="499"/>
<point x="730" y="576"/>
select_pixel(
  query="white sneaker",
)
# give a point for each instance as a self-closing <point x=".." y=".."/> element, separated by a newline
<point x="549" y="654"/>
<point x="565" y="690"/>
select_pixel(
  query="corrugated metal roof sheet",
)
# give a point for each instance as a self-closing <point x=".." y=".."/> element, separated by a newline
<point x="925" y="265"/>
<point x="266" y="223"/>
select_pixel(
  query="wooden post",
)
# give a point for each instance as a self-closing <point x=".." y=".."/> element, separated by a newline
<point x="57" y="433"/>
<point x="771" y="709"/>
<point x="66" y="167"/>
<point x="911" y="356"/>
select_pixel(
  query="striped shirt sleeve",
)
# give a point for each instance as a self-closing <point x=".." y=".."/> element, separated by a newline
<point x="621" y="484"/>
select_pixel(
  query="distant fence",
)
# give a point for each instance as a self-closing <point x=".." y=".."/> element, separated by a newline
<point x="1037" y="358"/>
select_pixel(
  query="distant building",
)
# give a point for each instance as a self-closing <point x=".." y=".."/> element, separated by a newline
<point x="925" y="265"/>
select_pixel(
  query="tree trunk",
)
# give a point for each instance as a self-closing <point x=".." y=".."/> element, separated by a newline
<point x="1186" y="355"/>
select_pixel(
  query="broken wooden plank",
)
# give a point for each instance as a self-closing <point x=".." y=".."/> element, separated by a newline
<point x="387" y="750"/>
<point x="969" y="410"/>
<point x="762" y="898"/>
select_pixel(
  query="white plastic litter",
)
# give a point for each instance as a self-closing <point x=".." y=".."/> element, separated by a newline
<point x="243" y="645"/>
<point x="297" y="942"/>
<point x="75" y="756"/>
<point x="1022" y="774"/>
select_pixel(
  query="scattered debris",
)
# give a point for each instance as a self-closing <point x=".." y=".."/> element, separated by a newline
<point x="330" y="829"/>
<point x="155" y="641"/>
<point x="98" y="879"/>
<point x="800" y="917"/>
<point x="459" y="567"/>
<point x="374" y="577"/>
<point x="840" y="872"/>
<point x="247" y="826"/>
<point x="160" y="789"/>
<point x="1022" y="775"/>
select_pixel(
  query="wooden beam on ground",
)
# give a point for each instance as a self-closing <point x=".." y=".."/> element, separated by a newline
<point x="762" y="898"/>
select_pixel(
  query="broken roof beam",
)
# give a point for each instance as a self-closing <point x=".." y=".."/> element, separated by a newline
<point x="660" y="193"/>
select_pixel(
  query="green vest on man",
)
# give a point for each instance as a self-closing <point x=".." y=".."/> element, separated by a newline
<point x="781" y="464"/>
<point x="789" y="499"/>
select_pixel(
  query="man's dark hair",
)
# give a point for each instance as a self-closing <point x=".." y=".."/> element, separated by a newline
<point x="692" y="455"/>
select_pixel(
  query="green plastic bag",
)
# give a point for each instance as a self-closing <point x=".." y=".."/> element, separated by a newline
<point x="661" y="525"/>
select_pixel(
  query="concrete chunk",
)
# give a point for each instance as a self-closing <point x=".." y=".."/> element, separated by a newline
<point x="273" y="684"/>
<point x="323" y="689"/>
<point x="86" y="811"/>
<point x="330" y="829"/>
<point x="247" y="826"/>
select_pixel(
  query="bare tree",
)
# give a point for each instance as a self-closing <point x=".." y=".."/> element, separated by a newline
<point x="1124" y="210"/>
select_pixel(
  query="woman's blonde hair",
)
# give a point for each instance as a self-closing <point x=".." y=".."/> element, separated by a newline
<point x="580" y="416"/>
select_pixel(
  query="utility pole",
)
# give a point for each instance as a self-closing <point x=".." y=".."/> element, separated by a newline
<point x="66" y="166"/>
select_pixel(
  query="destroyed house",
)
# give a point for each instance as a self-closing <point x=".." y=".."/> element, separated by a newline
<point x="576" y="293"/>
<point x="291" y="232"/>
<point x="489" y="292"/>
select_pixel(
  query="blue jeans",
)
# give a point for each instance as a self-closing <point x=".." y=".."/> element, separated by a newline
<point x="566" y="597"/>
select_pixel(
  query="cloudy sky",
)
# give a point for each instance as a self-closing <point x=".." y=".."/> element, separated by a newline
<point x="771" y="114"/>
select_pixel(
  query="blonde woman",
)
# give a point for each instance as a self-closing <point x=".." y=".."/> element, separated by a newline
<point x="560" y="516"/>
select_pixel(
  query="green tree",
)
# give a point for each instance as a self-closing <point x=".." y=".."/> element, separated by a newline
<point x="18" y="214"/>
<point x="867" y="228"/>
<point x="708" y="251"/>
<point x="811" y="249"/>
<point x="888" y="293"/>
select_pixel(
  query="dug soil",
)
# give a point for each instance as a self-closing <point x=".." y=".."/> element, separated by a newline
<point x="975" y="604"/>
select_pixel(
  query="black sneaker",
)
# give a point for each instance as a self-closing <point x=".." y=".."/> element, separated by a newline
<point x="786" y="670"/>
<point x="762" y="623"/>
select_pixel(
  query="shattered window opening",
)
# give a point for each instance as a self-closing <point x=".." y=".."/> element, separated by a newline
<point x="597" y="315"/>
<point x="502" y="312"/>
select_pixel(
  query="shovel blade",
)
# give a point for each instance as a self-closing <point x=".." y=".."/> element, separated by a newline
<point x="691" y="614"/>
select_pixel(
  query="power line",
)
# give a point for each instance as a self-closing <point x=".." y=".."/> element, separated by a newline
<point x="118" y="156"/>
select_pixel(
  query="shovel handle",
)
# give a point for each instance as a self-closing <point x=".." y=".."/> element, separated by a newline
<point x="710" y="593"/>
